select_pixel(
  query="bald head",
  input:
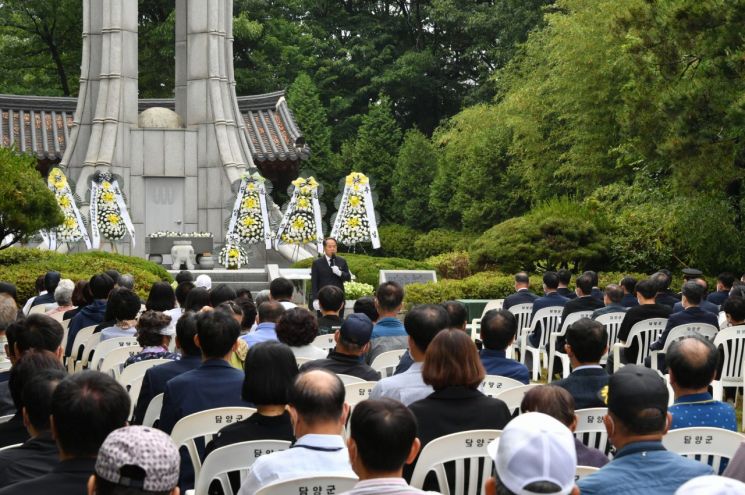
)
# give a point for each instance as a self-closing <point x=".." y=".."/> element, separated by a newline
<point x="318" y="397"/>
<point x="692" y="362"/>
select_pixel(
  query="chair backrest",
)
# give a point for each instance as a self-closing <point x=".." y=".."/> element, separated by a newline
<point x="66" y="330"/>
<point x="317" y="484"/>
<point x="349" y="379"/>
<point x="572" y="317"/>
<point x="236" y="457"/>
<point x="523" y="313"/>
<point x="106" y="346"/>
<point x="131" y="379"/>
<point x="357" y="392"/>
<point x="38" y="309"/>
<point x="114" y="359"/>
<point x="689" y="330"/>
<point x="302" y="360"/>
<point x="731" y="341"/>
<point x="583" y="471"/>
<point x="644" y="333"/>
<point x="386" y="362"/>
<point x="205" y="424"/>
<point x="11" y="446"/>
<point x="152" y="413"/>
<point x="591" y="429"/>
<point x="80" y="338"/>
<point x="549" y="320"/>
<point x="707" y="445"/>
<point x="722" y="320"/>
<point x="457" y="448"/>
<point x="514" y="396"/>
<point x="495" y="384"/>
<point x="325" y="342"/>
<point x="6" y="418"/>
<point x="492" y="304"/>
<point x="611" y="322"/>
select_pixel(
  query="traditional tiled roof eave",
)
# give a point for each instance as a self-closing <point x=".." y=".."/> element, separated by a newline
<point x="273" y="135"/>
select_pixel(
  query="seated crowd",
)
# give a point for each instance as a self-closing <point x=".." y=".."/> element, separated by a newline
<point x="217" y="348"/>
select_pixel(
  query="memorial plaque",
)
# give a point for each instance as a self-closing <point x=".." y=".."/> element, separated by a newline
<point x="406" y="277"/>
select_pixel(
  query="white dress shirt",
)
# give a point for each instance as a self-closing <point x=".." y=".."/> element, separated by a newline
<point x="407" y="387"/>
<point x="312" y="454"/>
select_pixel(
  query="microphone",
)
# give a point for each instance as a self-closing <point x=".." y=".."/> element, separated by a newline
<point x="332" y="260"/>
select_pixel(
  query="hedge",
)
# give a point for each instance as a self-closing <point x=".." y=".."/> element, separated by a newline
<point x="492" y="285"/>
<point x="366" y="268"/>
<point x="21" y="266"/>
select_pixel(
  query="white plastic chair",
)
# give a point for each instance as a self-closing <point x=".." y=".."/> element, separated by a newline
<point x="5" y="365"/>
<point x="317" y="484"/>
<point x="236" y="457"/>
<point x="731" y="341"/>
<point x="386" y="362"/>
<point x="106" y="346"/>
<point x="302" y="360"/>
<point x="707" y="445"/>
<point x="495" y="384"/>
<point x="523" y="314"/>
<point x="514" y="396"/>
<point x="114" y="360"/>
<point x="6" y="418"/>
<point x="131" y="379"/>
<point x="679" y="333"/>
<point x="349" y="379"/>
<point x="562" y="356"/>
<point x="12" y="446"/>
<point x="583" y="471"/>
<point x="591" y="429"/>
<point x="456" y="448"/>
<point x="205" y="424"/>
<point x="80" y="338"/>
<point x="152" y="413"/>
<point x="87" y="350"/>
<point x="66" y="328"/>
<point x="357" y="392"/>
<point x="643" y="333"/>
<point x="476" y="322"/>
<point x="325" y="342"/>
<point x="548" y="319"/>
<point x="612" y="323"/>
<point x="38" y="309"/>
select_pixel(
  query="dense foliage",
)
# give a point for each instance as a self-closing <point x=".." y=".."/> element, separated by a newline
<point x="22" y="266"/>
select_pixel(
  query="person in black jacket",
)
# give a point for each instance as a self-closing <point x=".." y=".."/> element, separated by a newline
<point x="587" y="341"/>
<point x="453" y="368"/>
<point x="329" y="269"/>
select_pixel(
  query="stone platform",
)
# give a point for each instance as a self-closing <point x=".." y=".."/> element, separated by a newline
<point x="253" y="279"/>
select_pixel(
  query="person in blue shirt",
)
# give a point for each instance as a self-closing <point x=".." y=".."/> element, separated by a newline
<point x="498" y="331"/>
<point x="693" y="365"/>
<point x="637" y="420"/>
<point x="388" y="333"/>
<point x="268" y="316"/>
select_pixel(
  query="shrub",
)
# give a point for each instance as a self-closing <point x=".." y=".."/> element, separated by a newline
<point x="397" y="241"/>
<point x="440" y="241"/>
<point x="455" y="265"/>
<point x="366" y="268"/>
<point x="22" y="266"/>
<point x="558" y="233"/>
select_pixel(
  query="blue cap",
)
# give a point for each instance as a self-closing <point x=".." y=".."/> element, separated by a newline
<point x="357" y="329"/>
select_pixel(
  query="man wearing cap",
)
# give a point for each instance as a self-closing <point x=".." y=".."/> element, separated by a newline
<point x="318" y="413"/>
<point x="534" y="454"/>
<point x="637" y="420"/>
<point x="352" y="342"/>
<point x="140" y="459"/>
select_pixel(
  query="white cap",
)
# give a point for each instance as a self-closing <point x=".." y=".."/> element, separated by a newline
<point x="712" y="485"/>
<point x="203" y="281"/>
<point x="535" y="447"/>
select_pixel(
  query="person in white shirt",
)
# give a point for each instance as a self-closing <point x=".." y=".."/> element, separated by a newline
<point x="382" y="439"/>
<point x="422" y="323"/>
<point x="281" y="290"/>
<point x="318" y="413"/>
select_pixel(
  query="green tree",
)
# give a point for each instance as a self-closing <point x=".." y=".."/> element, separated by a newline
<point x="26" y="203"/>
<point x="375" y="150"/>
<point x="412" y="178"/>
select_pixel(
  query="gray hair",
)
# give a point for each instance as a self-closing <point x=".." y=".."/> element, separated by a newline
<point x="261" y="297"/>
<point x="8" y="311"/>
<point x="63" y="292"/>
<point x="127" y="280"/>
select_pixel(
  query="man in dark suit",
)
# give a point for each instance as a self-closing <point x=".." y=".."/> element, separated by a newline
<point x="693" y="294"/>
<point x="664" y="295"/>
<point x="329" y="269"/>
<point x="724" y="284"/>
<point x="155" y="379"/>
<point x="51" y="280"/>
<point x="565" y="276"/>
<point x="552" y="297"/>
<point x="596" y="292"/>
<point x="215" y="383"/>
<point x="585" y="300"/>
<point x="522" y="294"/>
<point x="628" y="284"/>
<point x="705" y="305"/>
<point x="586" y="342"/>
